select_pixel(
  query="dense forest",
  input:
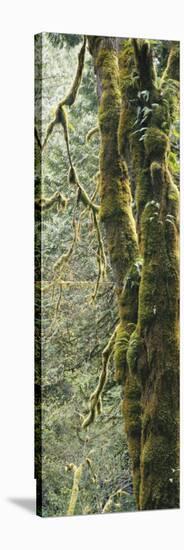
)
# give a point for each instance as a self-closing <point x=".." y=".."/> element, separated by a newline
<point x="106" y="274"/>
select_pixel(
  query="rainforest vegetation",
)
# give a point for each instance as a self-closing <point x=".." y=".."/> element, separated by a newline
<point x="106" y="274"/>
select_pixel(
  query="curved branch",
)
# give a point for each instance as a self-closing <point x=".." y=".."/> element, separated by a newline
<point x="91" y="133"/>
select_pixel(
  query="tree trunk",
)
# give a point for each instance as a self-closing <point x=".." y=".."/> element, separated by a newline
<point x="116" y="214"/>
<point x="146" y="347"/>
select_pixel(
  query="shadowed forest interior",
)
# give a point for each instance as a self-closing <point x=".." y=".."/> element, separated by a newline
<point x="106" y="274"/>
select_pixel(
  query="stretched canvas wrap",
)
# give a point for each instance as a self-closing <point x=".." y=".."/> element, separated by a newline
<point x="106" y="274"/>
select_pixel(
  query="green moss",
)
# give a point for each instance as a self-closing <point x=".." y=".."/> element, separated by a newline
<point x="156" y="144"/>
<point x="159" y="460"/>
<point x="157" y="321"/>
<point x="145" y="353"/>
<point x="131" y="409"/>
<point x="128" y="300"/>
<point x="120" y="349"/>
<point x="133" y="351"/>
<point x="173" y="195"/>
<point x="115" y="193"/>
<point x="161" y="115"/>
<point x="173" y="164"/>
<point x="156" y="170"/>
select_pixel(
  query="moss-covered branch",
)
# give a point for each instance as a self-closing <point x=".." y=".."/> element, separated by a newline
<point x="82" y="196"/>
<point x="45" y="203"/>
<point x="77" y="470"/>
<point x="95" y="398"/>
<point x="92" y="133"/>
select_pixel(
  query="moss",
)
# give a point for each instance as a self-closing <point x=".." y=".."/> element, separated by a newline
<point x="115" y="193"/>
<point x="161" y="115"/>
<point x="147" y="345"/>
<point x="133" y="351"/>
<point x="156" y="144"/>
<point x="159" y="488"/>
<point x="151" y="229"/>
<point x="173" y="196"/>
<point x="128" y="299"/>
<point x="126" y="62"/>
<point x="156" y="178"/>
<point x="120" y="349"/>
<point x="131" y="409"/>
<point x="129" y="146"/>
<point x="144" y="63"/>
<point x="157" y="322"/>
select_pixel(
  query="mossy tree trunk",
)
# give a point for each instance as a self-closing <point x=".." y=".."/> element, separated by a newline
<point x="153" y="356"/>
<point x="116" y="215"/>
<point x="144" y="262"/>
